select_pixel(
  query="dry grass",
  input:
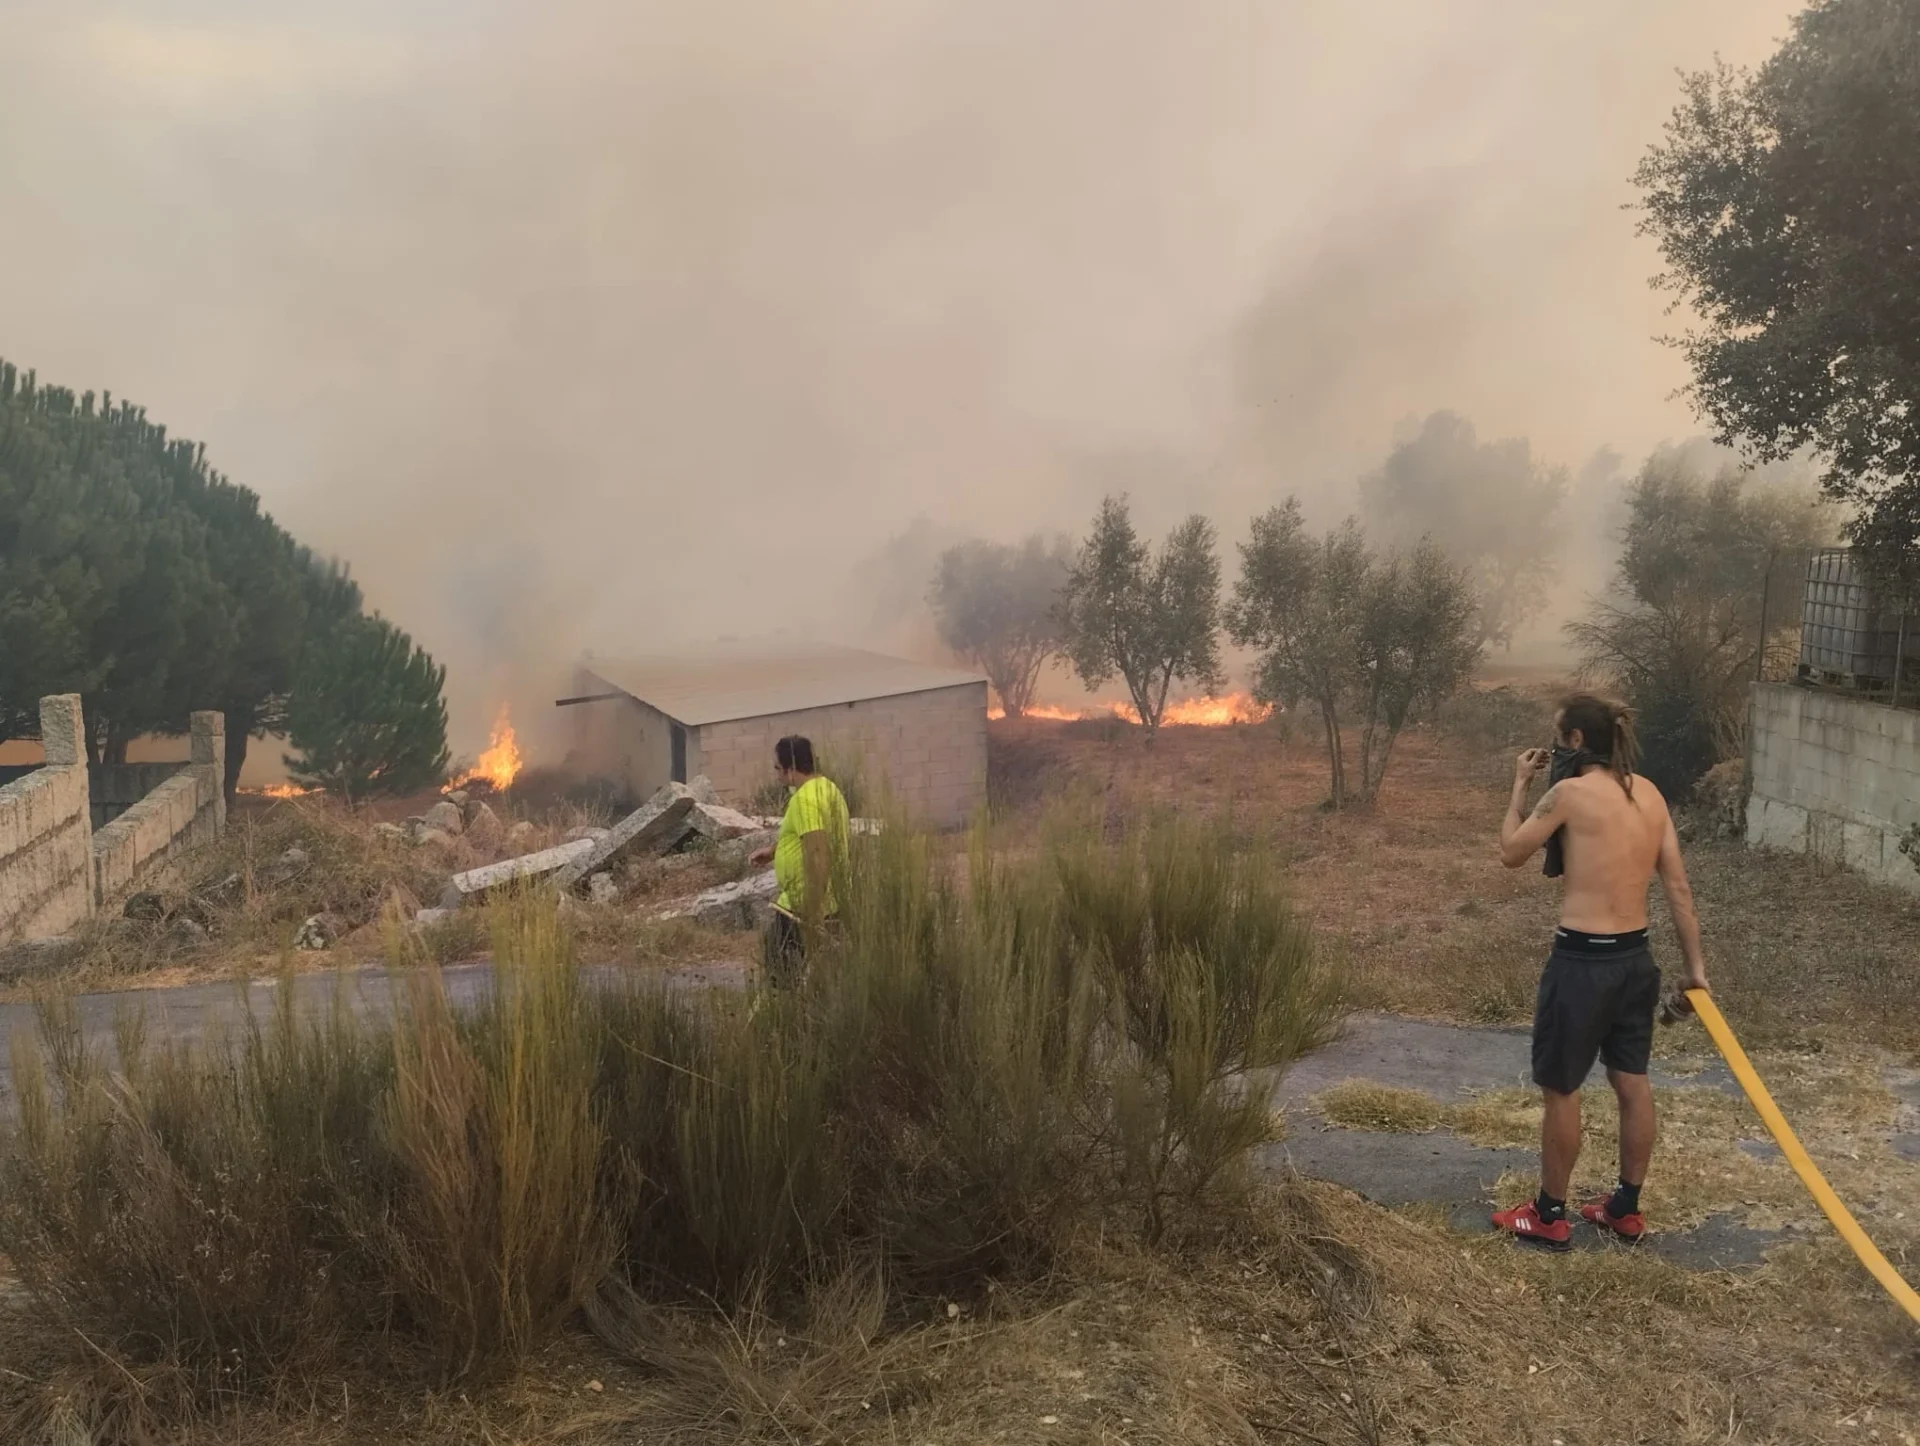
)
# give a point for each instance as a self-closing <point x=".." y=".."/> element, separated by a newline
<point x="1320" y="1319"/>
<point x="1433" y="926"/>
<point x="1358" y="1104"/>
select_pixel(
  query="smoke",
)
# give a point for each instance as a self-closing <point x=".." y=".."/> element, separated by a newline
<point x="620" y="324"/>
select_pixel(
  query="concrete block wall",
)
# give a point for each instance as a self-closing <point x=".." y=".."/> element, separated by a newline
<point x="622" y="738"/>
<point x="141" y="848"/>
<point x="46" y="875"/>
<point x="1834" y="776"/>
<point x="928" y="748"/>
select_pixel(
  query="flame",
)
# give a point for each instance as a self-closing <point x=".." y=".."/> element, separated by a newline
<point x="1215" y="712"/>
<point x="1181" y="713"/>
<point x="499" y="761"/>
<point x="280" y="790"/>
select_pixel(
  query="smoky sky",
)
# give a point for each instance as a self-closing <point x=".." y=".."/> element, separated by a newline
<point x="587" y="323"/>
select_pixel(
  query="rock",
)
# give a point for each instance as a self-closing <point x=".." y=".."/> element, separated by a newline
<point x="319" y="932"/>
<point x="483" y="824"/>
<point x="425" y="836"/>
<point x="445" y="816"/>
<point x="703" y="790"/>
<point x="460" y="798"/>
<point x="295" y="857"/>
<point x="585" y="830"/>
<point x="225" y="891"/>
<point x="742" y="905"/>
<point x="653" y="828"/>
<point x="601" y="888"/>
<point x="427" y="918"/>
<point x="391" y="831"/>
<point x="521" y="831"/>
<point x="475" y="883"/>
<point x="185" y="933"/>
<point x="717" y="823"/>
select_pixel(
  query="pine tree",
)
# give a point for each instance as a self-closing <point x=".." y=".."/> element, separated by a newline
<point x="366" y="713"/>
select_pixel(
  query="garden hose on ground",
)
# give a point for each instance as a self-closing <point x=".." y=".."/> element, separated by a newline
<point x="1809" y="1173"/>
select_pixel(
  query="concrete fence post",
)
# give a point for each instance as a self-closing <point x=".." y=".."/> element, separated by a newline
<point x="63" y="735"/>
<point x="207" y="733"/>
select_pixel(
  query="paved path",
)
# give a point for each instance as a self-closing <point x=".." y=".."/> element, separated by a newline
<point x="1443" y="1061"/>
<point x="1449" y="1063"/>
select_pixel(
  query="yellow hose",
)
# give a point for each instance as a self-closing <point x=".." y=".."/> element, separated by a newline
<point x="1809" y="1173"/>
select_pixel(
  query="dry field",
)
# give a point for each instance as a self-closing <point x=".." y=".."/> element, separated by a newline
<point x="1322" y="1318"/>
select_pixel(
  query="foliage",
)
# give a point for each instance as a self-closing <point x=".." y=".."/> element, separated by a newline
<point x="1492" y="507"/>
<point x="367" y="713"/>
<point x="1295" y="603"/>
<point x="1787" y="205"/>
<point x="1680" y="638"/>
<point x="1147" y="618"/>
<point x="1417" y="638"/>
<point x="971" y="1078"/>
<point x="137" y="576"/>
<point x="997" y="607"/>
<point x="1342" y="629"/>
<point x="107" y="588"/>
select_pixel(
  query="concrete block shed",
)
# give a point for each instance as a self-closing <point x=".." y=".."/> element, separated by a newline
<point x="920" y="729"/>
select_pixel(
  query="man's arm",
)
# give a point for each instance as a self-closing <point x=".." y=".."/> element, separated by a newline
<point x="1521" y="837"/>
<point x="1686" y="923"/>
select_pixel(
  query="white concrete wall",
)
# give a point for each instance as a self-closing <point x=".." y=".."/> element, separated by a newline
<point x="46" y="876"/>
<point x="929" y="749"/>
<point x="622" y="738"/>
<point x="1834" y="776"/>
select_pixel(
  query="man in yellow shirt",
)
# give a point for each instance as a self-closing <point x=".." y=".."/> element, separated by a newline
<point x="811" y="846"/>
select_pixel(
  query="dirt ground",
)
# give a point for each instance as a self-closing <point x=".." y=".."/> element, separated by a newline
<point x="1332" y="1319"/>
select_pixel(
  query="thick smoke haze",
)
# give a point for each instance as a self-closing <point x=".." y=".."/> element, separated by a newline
<point x="615" y="324"/>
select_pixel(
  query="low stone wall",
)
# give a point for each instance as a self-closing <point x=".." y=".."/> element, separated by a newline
<point x="46" y="873"/>
<point x="1836" y="777"/>
<point x="139" y="848"/>
<point x="57" y="869"/>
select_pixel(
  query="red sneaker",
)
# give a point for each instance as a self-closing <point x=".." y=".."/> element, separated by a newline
<point x="1523" y="1222"/>
<point x="1624" y="1227"/>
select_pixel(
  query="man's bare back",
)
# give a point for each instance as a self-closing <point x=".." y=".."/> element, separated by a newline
<point x="1615" y="842"/>
<point x="1612" y="841"/>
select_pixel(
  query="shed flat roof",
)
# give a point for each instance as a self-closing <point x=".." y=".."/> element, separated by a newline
<point x="747" y="680"/>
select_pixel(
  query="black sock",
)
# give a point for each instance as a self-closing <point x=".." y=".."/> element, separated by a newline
<point x="1549" y="1209"/>
<point x="1624" y="1201"/>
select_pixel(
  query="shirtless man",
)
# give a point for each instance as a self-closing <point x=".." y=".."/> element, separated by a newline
<point x="1598" y="994"/>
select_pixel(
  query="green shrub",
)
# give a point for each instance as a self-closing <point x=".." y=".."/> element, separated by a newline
<point x="979" y="1066"/>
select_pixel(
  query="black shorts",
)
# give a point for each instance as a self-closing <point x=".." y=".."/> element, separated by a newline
<point x="1597" y="999"/>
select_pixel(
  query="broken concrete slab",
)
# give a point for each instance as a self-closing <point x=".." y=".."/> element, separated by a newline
<point x="742" y="905"/>
<point x="703" y="790"/>
<point x="718" y="823"/>
<point x="654" y="827"/>
<point x="477" y="883"/>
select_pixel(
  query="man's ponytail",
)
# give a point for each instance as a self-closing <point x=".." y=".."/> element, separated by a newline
<point x="1626" y="747"/>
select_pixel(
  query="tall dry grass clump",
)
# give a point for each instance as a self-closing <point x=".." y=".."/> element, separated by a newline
<point x="993" y="1056"/>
